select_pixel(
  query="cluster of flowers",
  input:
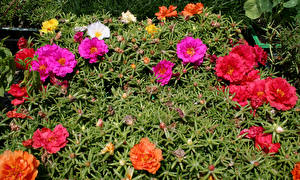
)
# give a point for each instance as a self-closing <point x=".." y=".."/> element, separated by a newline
<point x="238" y="67"/>
<point x="189" y="10"/>
<point x="189" y="50"/>
<point x="53" y="59"/>
<point x="263" y="141"/>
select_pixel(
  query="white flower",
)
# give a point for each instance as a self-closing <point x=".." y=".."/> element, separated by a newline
<point x="128" y="17"/>
<point x="98" y="30"/>
<point x="77" y="28"/>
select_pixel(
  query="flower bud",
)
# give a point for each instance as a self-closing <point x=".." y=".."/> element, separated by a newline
<point x="279" y="129"/>
<point x="189" y="142"/>
<point x="211" y="167"/>
<point x="122" y="162"/>
<point x="99" y="123"/>
<point x="162" y="125"/>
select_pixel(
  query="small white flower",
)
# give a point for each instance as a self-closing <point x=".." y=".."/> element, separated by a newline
<point x="279" y="129"/>
<point x="128" y="17"/>
<point x="98" y="30"/>
<point x="77" y="28"/>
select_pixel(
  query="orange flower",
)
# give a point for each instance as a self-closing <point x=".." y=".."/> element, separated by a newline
<point x="165" y="12"/>
<point x="144" y="156"/>
<point x="191" y="9"/>
<point x="296" y="171"/>
<point x="18" y="165"/>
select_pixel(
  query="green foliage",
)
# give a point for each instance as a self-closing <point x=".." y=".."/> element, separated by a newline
<point x="200" y="119"/>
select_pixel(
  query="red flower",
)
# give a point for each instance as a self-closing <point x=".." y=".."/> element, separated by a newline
<point x="52" y="141"/>
<point x="23" y="57"/>
<point x="14" y="114"/>
<point x="250" y="77"/>
<point x="257" y="93"/>
<point x="144" y="156"/>
<point x="261" y="55"/>
<point x="247" y="53"/>
<point x="296" y="171"/>
<point x="27" y="143"/>
<point x="280" y="94"/>
<point x="231" y="67"/>
<point x="253" y="131"/>
<point x="240" y="94"/>
<point x="22" y="43"/>
<point x="164" y="12"/>
<point x="263" y="142"/>
<point x="19" y="93"/>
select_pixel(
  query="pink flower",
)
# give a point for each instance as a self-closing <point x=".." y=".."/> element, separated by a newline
<point x="231" y="68"/>
<point x="257" y="93"/>
<point x="52" y="141"/>
<point x="263" y="142"/>
<point x="247" y="53"/>
<point x="42" y="67"/>
<point x="92" y="48"/>
<point x="78" y="37"/>
<point x="280" y="94"/>
<point x="240" y="94"/>
<point x="261" y="55"/>
<point x="163" y="71"/>
<point x="250" y="77"/>
<point x="253" y="131"/>
<point x="191" y="50"/>
<point x="64" y="62"/>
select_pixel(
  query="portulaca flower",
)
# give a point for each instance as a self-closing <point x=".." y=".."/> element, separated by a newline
<point x="98" y="30"/>
<point x="128" y="17"/>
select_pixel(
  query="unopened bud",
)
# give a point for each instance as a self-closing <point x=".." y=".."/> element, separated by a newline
<point x="99" y="123"/>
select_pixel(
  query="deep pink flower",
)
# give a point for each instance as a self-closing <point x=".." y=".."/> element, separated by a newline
<point x="280" y="94"/>
<point x="250" y="77"/>
<point x="191" y="50"/>
<point x="253" y="131"/>
<point x="64" y="62"/>
<point x="42" y="67"/>
<point x="240" y="94"/>
<point x="261" y="55"/>
<point x="19" y="93"/>
<point x="263" y="142"/>
<point x="163" y="71"/>
<point x="257" y="93"/>
<point x="92" y="48"/>
<point x="247" y="54"/>
<point x="231" y="68"/>
<point x="52" y="141"/>
<point x="78" y="37"/>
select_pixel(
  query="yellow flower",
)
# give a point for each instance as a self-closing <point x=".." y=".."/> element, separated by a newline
<point x="49" y="26"/>
<point x="152" y="29"/>
<point x="108" y="148"/>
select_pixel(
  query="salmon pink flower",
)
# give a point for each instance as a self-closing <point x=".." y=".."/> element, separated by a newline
<point x="263" y="142"/>
<point x="163" y="71"/>
<point x="144" y="156"/>
<point x="19" y="93"/>
<point x="23" y="57"/>
<point x="18" y="165"/>
<point x="51" y="141"/>
<point x="280" y="94"/>
<point x="92" y="48"/>
<point x="164" y="12"/>
<point x="191" y="50"/>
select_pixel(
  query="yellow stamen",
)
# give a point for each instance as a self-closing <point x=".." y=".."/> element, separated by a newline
<point x="98" y="34"/>
<point x="62" y="61"/>
<point x="190" y="51"/>
<point x="260" y="93"/>
<point x="93" y="50"/>
<point x="42" y="67"/>
<point x="230" y="70"/>
<point x="280" y="92"/>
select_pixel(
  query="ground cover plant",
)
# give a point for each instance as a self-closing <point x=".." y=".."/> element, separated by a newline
<point x="180" y="96"/>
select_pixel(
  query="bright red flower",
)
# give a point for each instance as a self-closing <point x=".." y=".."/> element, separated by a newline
<point x="296" y="171"/>
<point x="247" y="53"/>
<point x="27" y="143"/>
<point x="257" y="93"/>
<point x="23" y="57"/>
<point x="263" y="142"/>
<point x="164" y="12"/>
<point x="231" y="68"/>
<point x="261" y="55"/>
<point x="240" y="94"/>
<point x="253" y="131"/>
<point x="280" y="94"/>
<point x="19" y="93"/>
<point x="144" y="156"/>
<point x="22" y="43"/>
<point x="250" y="77"/>
<point x="52" y="141"/>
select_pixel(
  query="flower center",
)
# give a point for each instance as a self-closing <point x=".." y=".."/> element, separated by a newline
<point x="190" y="51"/>
<point x="93" y="50"/>
<point x="51" y="139"/>
<point x="230" y="70"/>
<point x="13" y="171"/>
<point x="260" y="93"/>
<point x="98" y="34"/>
<point x="42" y="67"/>
<point x="280" y="92"/>
<point x="62" y="61"/>
<point x="162" y="70"/>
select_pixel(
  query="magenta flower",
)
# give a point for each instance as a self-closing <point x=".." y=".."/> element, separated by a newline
<point x="51" y="141"/>
<point x="191" y="50"/>
<point x="163" y="71"/>
<point x="78" y="37"/>
<point x="42" y="67"/>
<point x="64" y="62"/>
<point x="92" y="48"/>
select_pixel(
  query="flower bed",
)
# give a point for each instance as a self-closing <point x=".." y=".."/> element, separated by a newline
<point x="182" y="97"/>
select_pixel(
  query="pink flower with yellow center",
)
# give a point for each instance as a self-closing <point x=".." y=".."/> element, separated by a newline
<point x="191" y="50"/>
<point x="163" y="71"/>
<point x="92" y="48"/>
<point x="64" y="62"/>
